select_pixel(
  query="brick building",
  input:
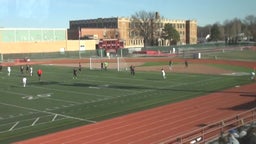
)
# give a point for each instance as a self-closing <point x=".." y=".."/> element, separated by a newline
<point x="118" y="27"/>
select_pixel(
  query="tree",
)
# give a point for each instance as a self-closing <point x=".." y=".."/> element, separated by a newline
<point x="203" y="33"/>
<point x="250" y="23"/>
<point x="232" y="30"/>
<point x="215" y="33"/>
<point x="145" y="24"/>
<point x="171" y="34"/>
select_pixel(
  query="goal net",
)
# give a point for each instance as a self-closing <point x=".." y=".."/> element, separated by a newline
<point x="115" y="63"/>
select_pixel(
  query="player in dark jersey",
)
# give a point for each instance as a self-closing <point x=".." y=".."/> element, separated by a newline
<point x="74" y="73"/>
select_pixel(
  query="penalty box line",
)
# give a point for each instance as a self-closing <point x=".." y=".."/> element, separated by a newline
<point x="67" y="116"/>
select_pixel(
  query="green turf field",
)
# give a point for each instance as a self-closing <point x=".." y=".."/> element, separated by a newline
<point x="60" y="102"/>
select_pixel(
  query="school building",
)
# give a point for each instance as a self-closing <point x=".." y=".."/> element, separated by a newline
<point x="47" y="40"/>
<point x="119" y="27"/>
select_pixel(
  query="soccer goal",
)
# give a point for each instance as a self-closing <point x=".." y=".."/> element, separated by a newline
<point x="99" y="63"/>
<point x="121" y="64"/>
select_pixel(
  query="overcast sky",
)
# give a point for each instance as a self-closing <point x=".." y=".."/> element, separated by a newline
<point x="58" y="13"/>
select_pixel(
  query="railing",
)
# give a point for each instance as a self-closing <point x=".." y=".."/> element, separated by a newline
<point x="211" y="131"/>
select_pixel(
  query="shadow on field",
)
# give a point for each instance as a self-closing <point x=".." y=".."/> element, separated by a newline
<point x="105" y="86"/>
<point x="248" y="105"/>
<point x="79" y="84"/>
<point x="45" y="83"/>
<point x="244" y="106"/>
<point x="249" y="95"/>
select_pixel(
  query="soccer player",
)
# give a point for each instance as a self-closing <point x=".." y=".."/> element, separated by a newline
<point x="24" y="81"/>
<point x="39" y="73"/>
<point x="74" y="73"/>
<point x="170" y="65"/>
<point x="132" y="69"/>
<point x="27" y="68"/>
<point x="106" y="65"/>
<point x="9" y="70"/>
<point x="163" y="73"/>
<point x="186" y="63"/>
<point x="31" y="70"/>
<point x="79" y="67"/>
<point x="101" y="66"/>
<point x="21" y="69"/>
<point x="253" y="75"/>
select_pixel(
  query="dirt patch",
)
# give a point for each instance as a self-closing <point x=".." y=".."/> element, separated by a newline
<point x="200" y="66"/>
<point x="177" y="68"/>
<point x="193" y="68"/>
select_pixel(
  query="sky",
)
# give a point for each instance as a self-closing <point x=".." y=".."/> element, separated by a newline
<point x="58" y="13"/>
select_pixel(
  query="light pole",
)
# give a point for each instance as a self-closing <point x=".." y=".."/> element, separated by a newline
<point x="79" y="49"/>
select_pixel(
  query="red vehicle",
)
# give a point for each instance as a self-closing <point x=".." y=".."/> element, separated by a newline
<point x="111" y="45"/>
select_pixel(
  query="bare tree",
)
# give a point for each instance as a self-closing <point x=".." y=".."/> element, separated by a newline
<point x="112" y="34"/>
<point x="146" y="25"/>
<point x="232" y="27"/>
<point x="233" y="30"/>
<point x="250" y="24"/>
<point x="203" y="32"/>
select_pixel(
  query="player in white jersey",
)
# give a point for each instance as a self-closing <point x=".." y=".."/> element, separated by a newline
<point x="24" y="81"/>
<point x="9" y="70"/>
<point x="163" y="73"/>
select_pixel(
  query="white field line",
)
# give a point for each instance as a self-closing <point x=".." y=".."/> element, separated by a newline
<point x="71" y="92"/>
<point x="35" y="121"/>
<point x="53" y="119"/>
<point x="23" y="120"/>
<point x="146" y="91"/>
<point x="124" y="125"/>
<point x="30" y="126"/>
<point x="14" y="126"/>
<point x="61" y="100"/>
<point x="180" y="84"/>
<point x="71" y="117"/>
<point x="23" y="94"/>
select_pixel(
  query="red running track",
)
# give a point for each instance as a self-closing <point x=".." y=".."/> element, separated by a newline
<point x="158" y="124"/>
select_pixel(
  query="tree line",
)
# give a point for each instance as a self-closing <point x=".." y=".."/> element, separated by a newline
<point x="230" y="31"/>
<point x="147" y="25"/>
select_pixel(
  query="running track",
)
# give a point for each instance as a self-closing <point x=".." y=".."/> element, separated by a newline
<point x="158" y="124"/>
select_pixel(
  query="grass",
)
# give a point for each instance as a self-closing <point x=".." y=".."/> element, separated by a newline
<point x="232" y="68"/>
<point x="240" y="55"/>
<point x="59" y="102"/>
<point x="245" y="55"/>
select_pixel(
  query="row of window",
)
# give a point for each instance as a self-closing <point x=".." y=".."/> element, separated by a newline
<point x="136" y="42"/>
<point x="115" y="25"/>
<point x="94" y="25"/>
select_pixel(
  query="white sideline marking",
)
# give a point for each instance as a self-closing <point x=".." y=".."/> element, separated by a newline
<point x="54" y="117"/>
<point x="14" y="126"/>
<point x="35" y="121"/>
<point x="72" y="92"/>
<point x="237" y="74"/>
<point x="44" y="95"/>
<point x="76" y="118"/>
<point x="93" y="87"/>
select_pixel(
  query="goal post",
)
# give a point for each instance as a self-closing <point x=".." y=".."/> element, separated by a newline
<point x="121" y="64"/>
<point x="1" y="57"/>
<point x="95" y="63"/>
<point x="98" y="63"/>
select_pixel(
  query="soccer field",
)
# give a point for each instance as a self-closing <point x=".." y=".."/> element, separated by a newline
<point x="59" y="102"/>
